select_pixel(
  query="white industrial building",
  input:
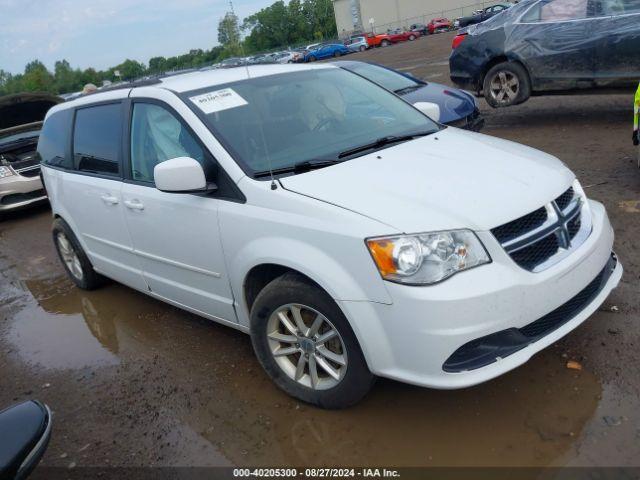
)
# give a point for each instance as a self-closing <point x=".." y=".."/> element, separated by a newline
<point x="380" y="15"/>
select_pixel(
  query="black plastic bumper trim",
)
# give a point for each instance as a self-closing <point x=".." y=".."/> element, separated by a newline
<point x="488" y="349"/>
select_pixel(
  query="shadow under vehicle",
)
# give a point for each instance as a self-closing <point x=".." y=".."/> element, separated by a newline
<point x="543" y="47"/>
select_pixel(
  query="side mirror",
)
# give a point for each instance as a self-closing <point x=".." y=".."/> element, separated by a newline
<point x="181" y="175"/>
<point x="431" y="110"/>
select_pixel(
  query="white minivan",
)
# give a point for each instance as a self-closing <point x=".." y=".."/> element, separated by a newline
<point x="351" y="235"/>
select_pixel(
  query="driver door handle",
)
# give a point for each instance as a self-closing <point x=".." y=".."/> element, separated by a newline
<point x="109" y="199"/>
<point x="134" y="204"/>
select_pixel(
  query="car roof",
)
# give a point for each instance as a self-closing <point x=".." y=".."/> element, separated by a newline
<point x="190" y="81"/>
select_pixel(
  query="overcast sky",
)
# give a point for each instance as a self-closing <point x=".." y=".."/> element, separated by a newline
<point x="102" y="33"/>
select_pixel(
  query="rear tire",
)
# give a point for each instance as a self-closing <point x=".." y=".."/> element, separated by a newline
<point x="412" y="38"/>
<point x="336" y="54"/>
<point x="312" y="59"/>
<point x="73" y="258"/>
<point x="295" y="356"/>
<point x="506" y="84"/>
<point x="362" y="48"/>
<point x="385" y="43"/>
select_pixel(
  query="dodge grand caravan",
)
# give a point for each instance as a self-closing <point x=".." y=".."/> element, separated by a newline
<point x="337" y="224"/>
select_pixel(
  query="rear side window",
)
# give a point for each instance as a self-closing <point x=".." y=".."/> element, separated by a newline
<point x="54" y="138"/>
<point x="97" y="138"/>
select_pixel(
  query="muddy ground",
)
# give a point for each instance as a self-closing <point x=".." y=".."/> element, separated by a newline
<point x="135" y="382"/>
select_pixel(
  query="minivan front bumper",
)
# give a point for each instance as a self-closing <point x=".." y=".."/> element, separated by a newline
<point x="414" y="339"/>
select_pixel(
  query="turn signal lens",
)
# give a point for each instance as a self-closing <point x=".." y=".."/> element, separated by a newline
<point x="382" y="252"/>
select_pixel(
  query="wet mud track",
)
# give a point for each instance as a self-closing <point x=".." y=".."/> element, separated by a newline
<point x="135" y="382"/>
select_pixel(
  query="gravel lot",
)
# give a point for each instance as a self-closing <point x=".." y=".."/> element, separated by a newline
<point x="135" y="382"/>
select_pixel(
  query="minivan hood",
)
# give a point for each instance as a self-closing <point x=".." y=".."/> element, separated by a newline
<point x="447" y="180"/>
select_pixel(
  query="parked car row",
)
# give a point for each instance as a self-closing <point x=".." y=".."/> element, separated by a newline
<point x="481" y="15"/>
<point x="542" y="47"/>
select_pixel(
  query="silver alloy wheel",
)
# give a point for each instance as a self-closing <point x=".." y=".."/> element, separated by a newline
<point x="307" y="346"/>
<point x="504" y="87"/>
<point x="69" y="256"/>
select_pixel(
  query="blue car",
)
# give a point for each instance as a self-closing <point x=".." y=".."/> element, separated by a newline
<point x="326" y="51"/>
<point x="458" y="108"/>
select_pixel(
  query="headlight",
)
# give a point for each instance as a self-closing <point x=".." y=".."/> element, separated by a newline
<point x="426" y="258"/>
<point x="6" y="172"/>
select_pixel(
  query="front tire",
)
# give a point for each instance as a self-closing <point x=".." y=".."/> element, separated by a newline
<point x="385" y="43"/>
<point x="506" y="84"/>
<point x="412" y="38"/>
<point x="336" y="54"/>
<point x="362" y="48"/>
<point x="306" y="345"/>
<point x="311" y="59"/>
<point x="73" y="258"/>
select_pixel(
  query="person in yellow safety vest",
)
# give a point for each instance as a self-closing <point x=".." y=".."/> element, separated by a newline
<point x="636" y="115"/>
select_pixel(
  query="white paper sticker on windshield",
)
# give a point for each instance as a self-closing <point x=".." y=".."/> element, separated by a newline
<point x="218" y="100"/>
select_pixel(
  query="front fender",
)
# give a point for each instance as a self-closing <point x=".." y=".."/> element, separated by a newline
<point x="341" y="283"/>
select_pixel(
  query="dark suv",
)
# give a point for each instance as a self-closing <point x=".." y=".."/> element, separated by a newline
<point x="540" y="47"/>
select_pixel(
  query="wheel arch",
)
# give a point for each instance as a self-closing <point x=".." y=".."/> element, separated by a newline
<point x="261" y="275"/>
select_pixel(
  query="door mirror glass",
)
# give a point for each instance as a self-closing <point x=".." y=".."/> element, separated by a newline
<point x="431" y="110"/>
<point x="181" y="175"/>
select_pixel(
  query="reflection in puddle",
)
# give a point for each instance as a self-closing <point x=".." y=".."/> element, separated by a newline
<point x="531" y="416"/>
<point x="55" y="341"/>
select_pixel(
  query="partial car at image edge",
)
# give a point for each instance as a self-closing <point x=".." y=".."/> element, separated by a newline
<point x="21" y="117"/>
<point x="457" y="107"/>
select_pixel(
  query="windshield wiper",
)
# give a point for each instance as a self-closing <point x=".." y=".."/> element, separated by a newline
<point x="384" y="141"/>
<point x="402" y="91"/>
<point x="300" y="167"/>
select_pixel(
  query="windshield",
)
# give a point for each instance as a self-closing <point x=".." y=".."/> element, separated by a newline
<point x="386" y="78"/>
<point x="278" y="121"/>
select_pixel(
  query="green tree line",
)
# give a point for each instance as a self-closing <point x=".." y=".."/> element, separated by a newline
<point x="279" y="25"/>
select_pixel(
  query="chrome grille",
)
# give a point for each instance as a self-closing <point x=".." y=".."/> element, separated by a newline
<point x="542" y="238"/>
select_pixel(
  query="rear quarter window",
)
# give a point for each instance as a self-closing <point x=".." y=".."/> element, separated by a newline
<point x="54" y="138"/>
<point x="97" y="139"/>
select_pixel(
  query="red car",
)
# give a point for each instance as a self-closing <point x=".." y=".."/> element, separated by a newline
<point x="380" y="40"/>
<point x="400" y="35"/>
<point x="438" y="25"/>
